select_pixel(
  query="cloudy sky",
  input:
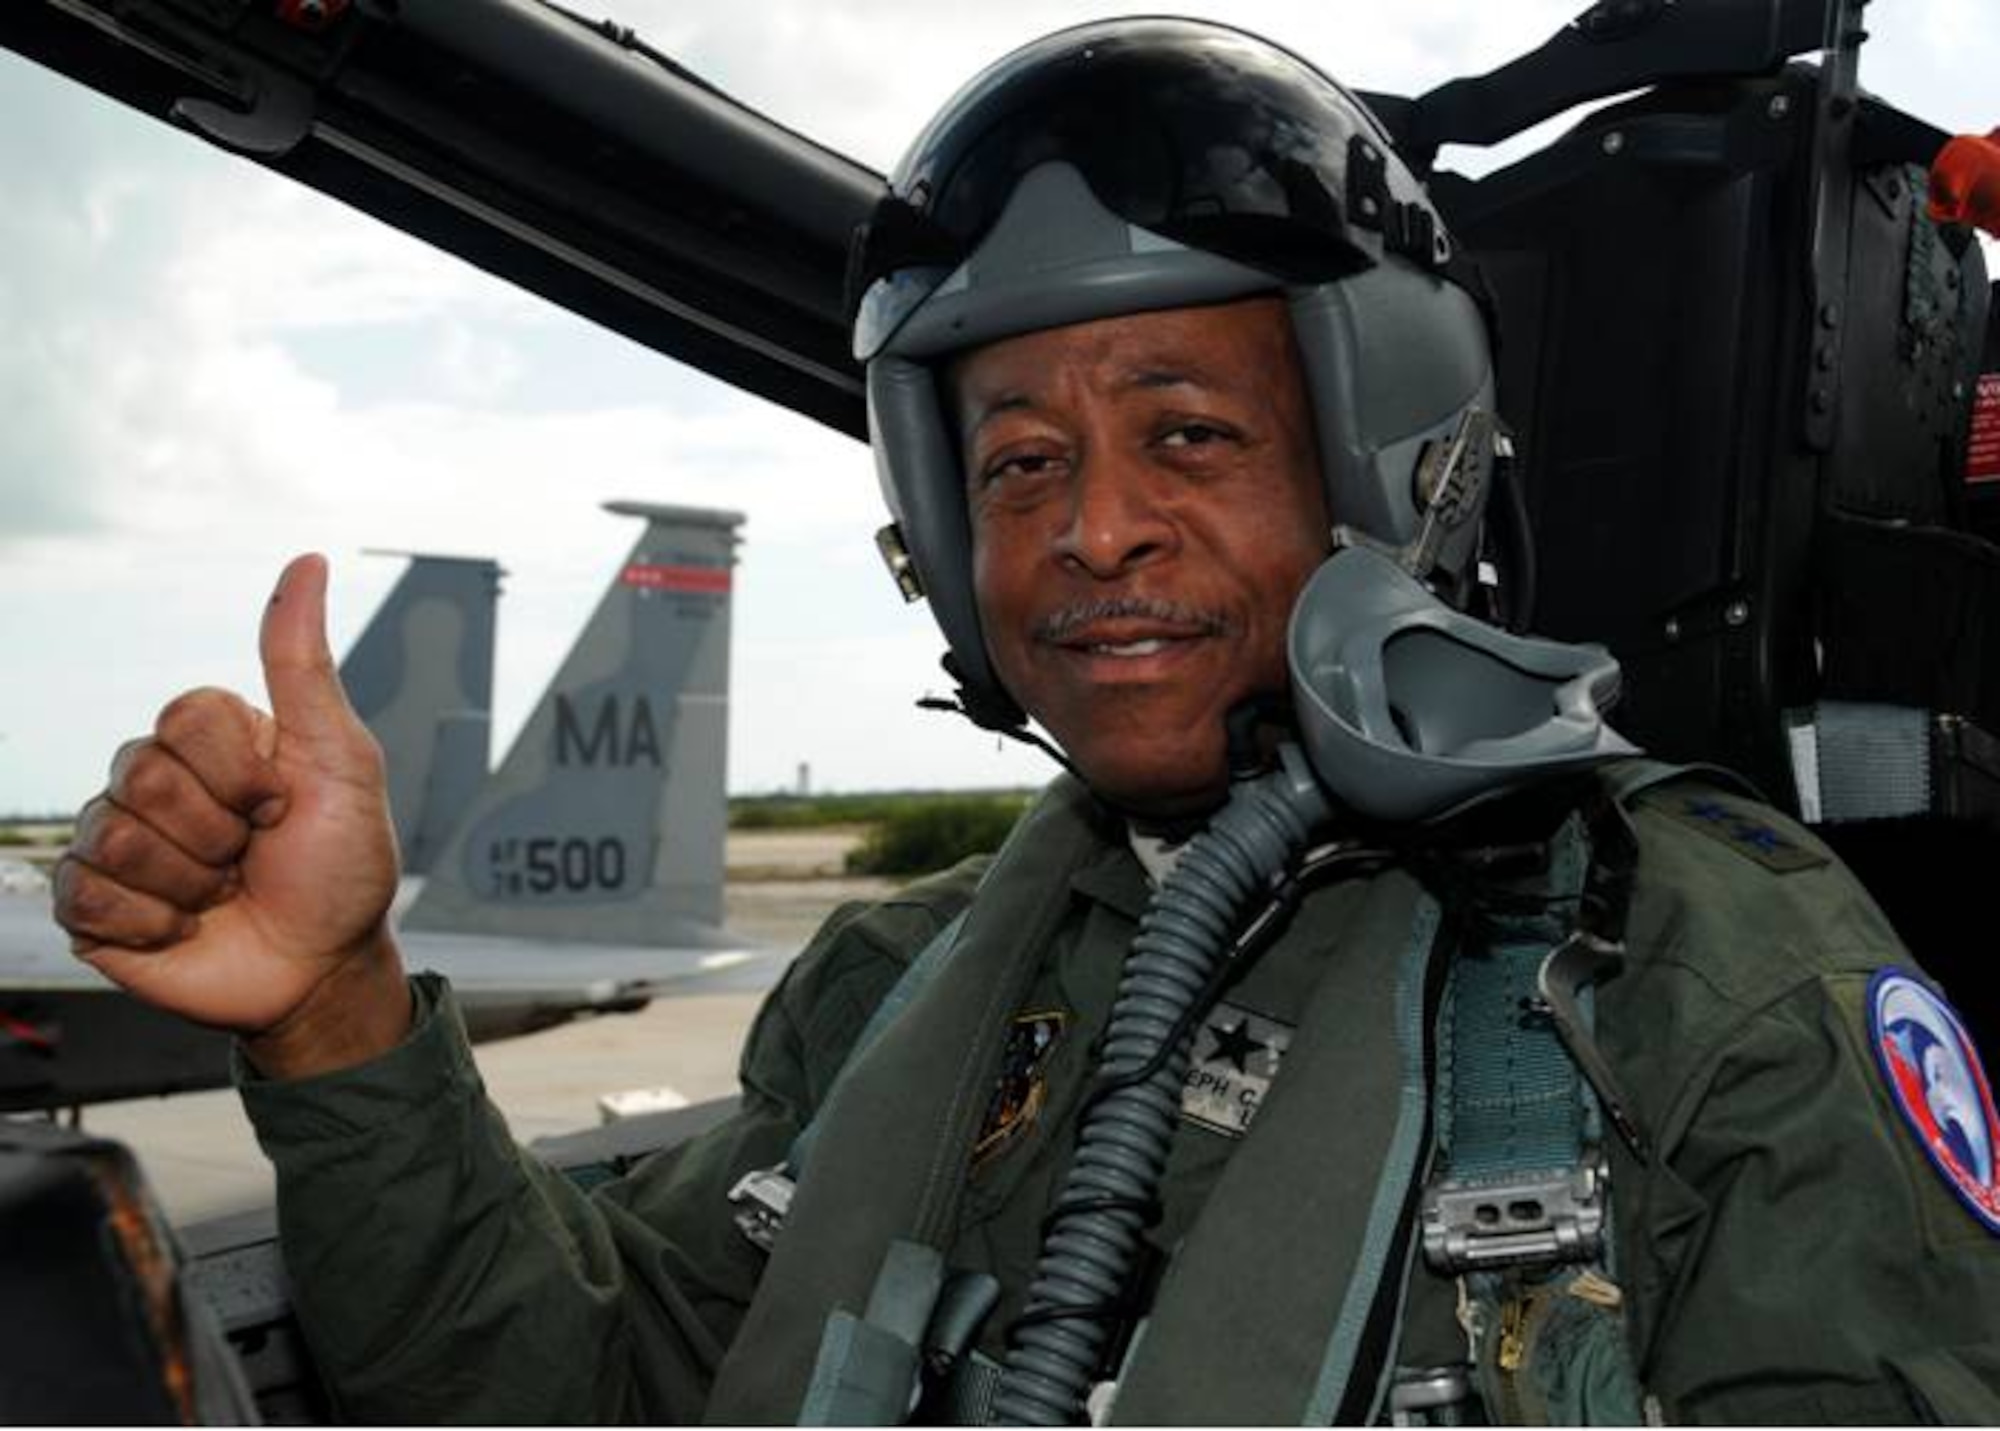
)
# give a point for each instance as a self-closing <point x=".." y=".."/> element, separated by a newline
<point x="206" y="369"/>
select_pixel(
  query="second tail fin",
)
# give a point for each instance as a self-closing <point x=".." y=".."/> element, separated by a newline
<point x="421" y="678"/>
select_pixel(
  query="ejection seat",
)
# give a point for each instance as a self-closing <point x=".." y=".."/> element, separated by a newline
<point x="1756" y="386"/>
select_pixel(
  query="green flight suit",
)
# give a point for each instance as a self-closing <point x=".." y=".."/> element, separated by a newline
<point x="1789" y="1254"/>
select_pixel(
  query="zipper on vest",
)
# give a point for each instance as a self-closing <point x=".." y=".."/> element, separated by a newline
<point x="1513" y="1337"/>
<point x="1522" y="1317"/>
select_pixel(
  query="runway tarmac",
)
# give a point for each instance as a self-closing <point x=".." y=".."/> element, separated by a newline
<point x="203" y="1162"/>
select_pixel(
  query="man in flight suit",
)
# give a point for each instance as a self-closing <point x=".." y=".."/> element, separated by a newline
<point x="1156" y="324"/>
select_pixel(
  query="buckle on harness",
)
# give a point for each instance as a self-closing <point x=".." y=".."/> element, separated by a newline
<point x="762" y="1197"/>
<point x="1476" y="1225"/>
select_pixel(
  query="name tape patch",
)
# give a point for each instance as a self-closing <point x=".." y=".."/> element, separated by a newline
<point x="1236" y="1055"/>
<point x="1938" y="1085"/>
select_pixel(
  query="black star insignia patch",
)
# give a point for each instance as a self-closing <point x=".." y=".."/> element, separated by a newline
<point x="1236" y="1055"/>
<point x="1233" y="1042"/>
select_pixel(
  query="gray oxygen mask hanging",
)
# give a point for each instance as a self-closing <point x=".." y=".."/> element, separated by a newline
<point x="1409" y="709"/>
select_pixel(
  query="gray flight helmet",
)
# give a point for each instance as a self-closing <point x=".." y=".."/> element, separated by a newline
<point x="1130" y="166"/>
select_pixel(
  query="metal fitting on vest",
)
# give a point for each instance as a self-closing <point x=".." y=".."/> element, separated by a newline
<point x="762" y="1197"/>
<point x="1475" y="1225"/>
<point x="1578" y="962"/>
<point x="1429" y="1396"/>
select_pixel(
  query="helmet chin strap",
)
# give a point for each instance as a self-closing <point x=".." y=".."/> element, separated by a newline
<point x="995" y="711"/>
<point x="1172" y="830"/>
<point x="1255" y="727"/>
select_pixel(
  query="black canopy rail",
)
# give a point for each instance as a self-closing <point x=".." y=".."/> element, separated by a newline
<point x="561" y="154"/>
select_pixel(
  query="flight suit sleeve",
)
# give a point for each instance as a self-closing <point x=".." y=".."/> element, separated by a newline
<point x="1822" y="1271"/>
<point x="441" y="1274"/>
<point x="1793" y="1255"/>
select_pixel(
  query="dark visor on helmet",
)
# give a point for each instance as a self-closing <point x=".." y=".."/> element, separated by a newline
<point x="1203" y="135"/>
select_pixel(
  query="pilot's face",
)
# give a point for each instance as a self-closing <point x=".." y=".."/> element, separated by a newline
<point x="1145" y="503"/>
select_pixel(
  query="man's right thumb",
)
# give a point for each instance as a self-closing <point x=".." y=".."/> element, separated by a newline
<point x="306" y="695"/>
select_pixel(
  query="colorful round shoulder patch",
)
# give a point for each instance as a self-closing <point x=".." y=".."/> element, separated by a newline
<point x="1933" y="1072"/>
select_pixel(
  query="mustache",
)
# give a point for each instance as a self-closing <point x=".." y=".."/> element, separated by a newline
<point x="1066" y="621"/>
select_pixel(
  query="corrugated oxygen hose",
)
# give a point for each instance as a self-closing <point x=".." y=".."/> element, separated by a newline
<point x="1110" y="1193"/>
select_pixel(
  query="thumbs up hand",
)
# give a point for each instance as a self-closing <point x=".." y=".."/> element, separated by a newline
<point x="239" y="867"/>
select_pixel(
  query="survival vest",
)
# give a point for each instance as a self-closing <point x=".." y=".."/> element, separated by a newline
<point x="859" y="1312"/>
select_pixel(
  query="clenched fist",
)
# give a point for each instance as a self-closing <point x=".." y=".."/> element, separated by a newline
<point x="239" y="867"/>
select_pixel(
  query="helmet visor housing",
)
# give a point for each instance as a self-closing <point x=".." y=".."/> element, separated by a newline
<point x="1217" y="140"/>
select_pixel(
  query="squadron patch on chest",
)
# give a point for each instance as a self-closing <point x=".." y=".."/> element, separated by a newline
<point x="1024" y="1083"/>
<point x="1236" y="1055"/>
<point x="1938" y="1086"/>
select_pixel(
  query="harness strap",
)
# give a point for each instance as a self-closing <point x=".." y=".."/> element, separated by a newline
<point x="928" y="964"/>
<point x="867" y="1192"/>
<point x="1279" y="1305"/>
<point x="1334" y="1397"/>
<point x="1520" y="1174"/>
<point x="1520" y="1207"/>
<point x="762" y="1197"/>
<point x="868" y="1366"/>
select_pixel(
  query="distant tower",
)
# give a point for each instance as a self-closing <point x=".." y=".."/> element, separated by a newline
<point x="805" y="787"/>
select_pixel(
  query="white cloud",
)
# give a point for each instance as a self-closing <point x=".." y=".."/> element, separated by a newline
<point x="260" y="254"/>
<point x="478" y="369"/>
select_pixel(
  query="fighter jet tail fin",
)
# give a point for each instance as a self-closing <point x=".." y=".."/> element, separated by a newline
<point x="605" y="822"/>
<point x="421" y="677"/>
